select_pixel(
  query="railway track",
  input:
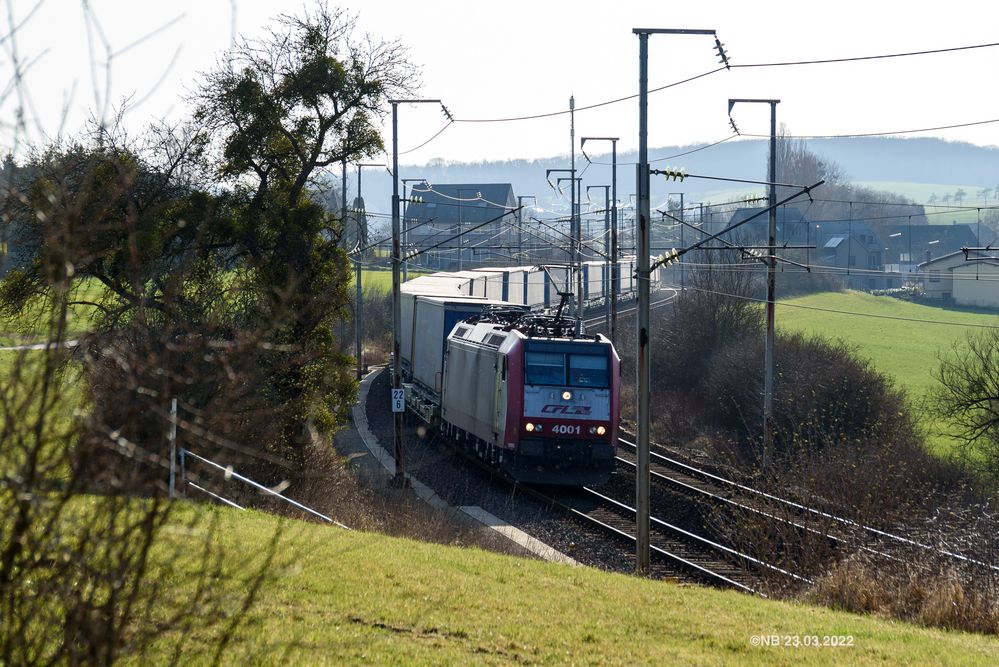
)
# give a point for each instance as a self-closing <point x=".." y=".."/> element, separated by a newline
<point x="697" y="483"/>
<point x="674" y="549"/>
<point x="659" y="303"/>
<point x="702" y="559"/>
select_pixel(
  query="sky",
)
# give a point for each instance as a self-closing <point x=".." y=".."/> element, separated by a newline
<point x="488" y="60"/>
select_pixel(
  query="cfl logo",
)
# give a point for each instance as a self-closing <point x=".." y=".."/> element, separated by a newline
<point x="566" y="410"/>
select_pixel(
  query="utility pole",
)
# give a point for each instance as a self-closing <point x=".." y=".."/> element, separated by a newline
<point x="360" y="216"/>
<point x="520" y="223"/>
<point x="576" y="305"/>
<point x="610" y="287"/>
<point x="768" y="347"/>
<point x="644" y="275"/>
<point x="343" y="193"/>
<point x="615" y="266"/>
<point x="576" y="254"/>
<point x="461" y="225"/>
<point x="343" y="221"/>
<point x="574" y="222"/>
<point x="399" y="480"/>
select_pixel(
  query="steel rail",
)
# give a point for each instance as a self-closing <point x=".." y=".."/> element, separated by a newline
<point x="585" y="518"/>
<point x="697" y="472"/>
<point x="617" y="532"/>
<point x="692" y="490"/>
<point x="697" y="538"/>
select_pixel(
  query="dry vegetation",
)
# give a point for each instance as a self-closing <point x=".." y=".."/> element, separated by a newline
<point x="215" y="278"/>
<point x="847" y="442"/>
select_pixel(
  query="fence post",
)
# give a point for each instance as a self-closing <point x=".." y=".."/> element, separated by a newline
<point x="183" y="473"/>
<point x="172" y="437"/>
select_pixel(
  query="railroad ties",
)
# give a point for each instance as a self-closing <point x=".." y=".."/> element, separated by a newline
<point x="838" y="532"/>
<point x="698" y="558"/>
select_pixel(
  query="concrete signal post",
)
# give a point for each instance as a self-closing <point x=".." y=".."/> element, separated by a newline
<point x="768" y="347"/>
<point x="643" y="282"/>
<point x="615" y="267"/>
<point x="398" y="393"/>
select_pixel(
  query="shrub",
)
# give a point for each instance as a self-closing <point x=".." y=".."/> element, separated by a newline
<point x="376" y="316"/>
<point x="822" y="392"/>
<point x="705" y="316"/>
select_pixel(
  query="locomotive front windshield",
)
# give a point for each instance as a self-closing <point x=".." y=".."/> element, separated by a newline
<point x="545" y="368"/>
<point x="587" y="368"/>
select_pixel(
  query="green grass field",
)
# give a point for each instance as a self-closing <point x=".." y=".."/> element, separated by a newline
<point x="340" y="597"/>
<point x="34" y="324"/>
<point x="906" y="347"/>
<point x="922" y="192"/>
<point x="381" y="279"/>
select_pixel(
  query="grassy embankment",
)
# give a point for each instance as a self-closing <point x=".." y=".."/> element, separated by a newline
<point x="353" y="597"/>
<point x="339" y="598"/>
<point x="905" y="348"/>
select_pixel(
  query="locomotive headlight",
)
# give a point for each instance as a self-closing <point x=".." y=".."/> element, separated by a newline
<point x="601" y="430"/>
<point x="592" y="430"/>
<point x="566" y="395"/>
<point x="529" y="427"/>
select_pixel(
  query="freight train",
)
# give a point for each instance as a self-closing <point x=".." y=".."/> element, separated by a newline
<point x="490" y="361"/>
<point x="536" y="287"/>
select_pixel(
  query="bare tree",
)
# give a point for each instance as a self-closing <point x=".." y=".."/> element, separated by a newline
<point x="837" y="199"/>
<point x="967" y="396"/>
<point x="85" y="549"/>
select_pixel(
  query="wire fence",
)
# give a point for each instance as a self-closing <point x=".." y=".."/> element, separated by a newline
<point x="180" y="455"/>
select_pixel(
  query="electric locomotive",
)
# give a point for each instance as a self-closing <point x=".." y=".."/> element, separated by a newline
<point x="524" y="392"/>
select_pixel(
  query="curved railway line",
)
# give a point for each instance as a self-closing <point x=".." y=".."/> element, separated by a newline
<point x="694" y="549"/>
<point x="675" y="548"/>
<point x="700" y="558"/>
<point x="666" y="300"/>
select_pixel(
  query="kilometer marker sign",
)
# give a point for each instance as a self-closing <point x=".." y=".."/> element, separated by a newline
<point x="398" y="400"/>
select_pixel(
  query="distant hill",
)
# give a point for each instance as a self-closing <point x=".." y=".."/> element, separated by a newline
<point x="916" y="160"/>
<point x="913" y="160"/>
